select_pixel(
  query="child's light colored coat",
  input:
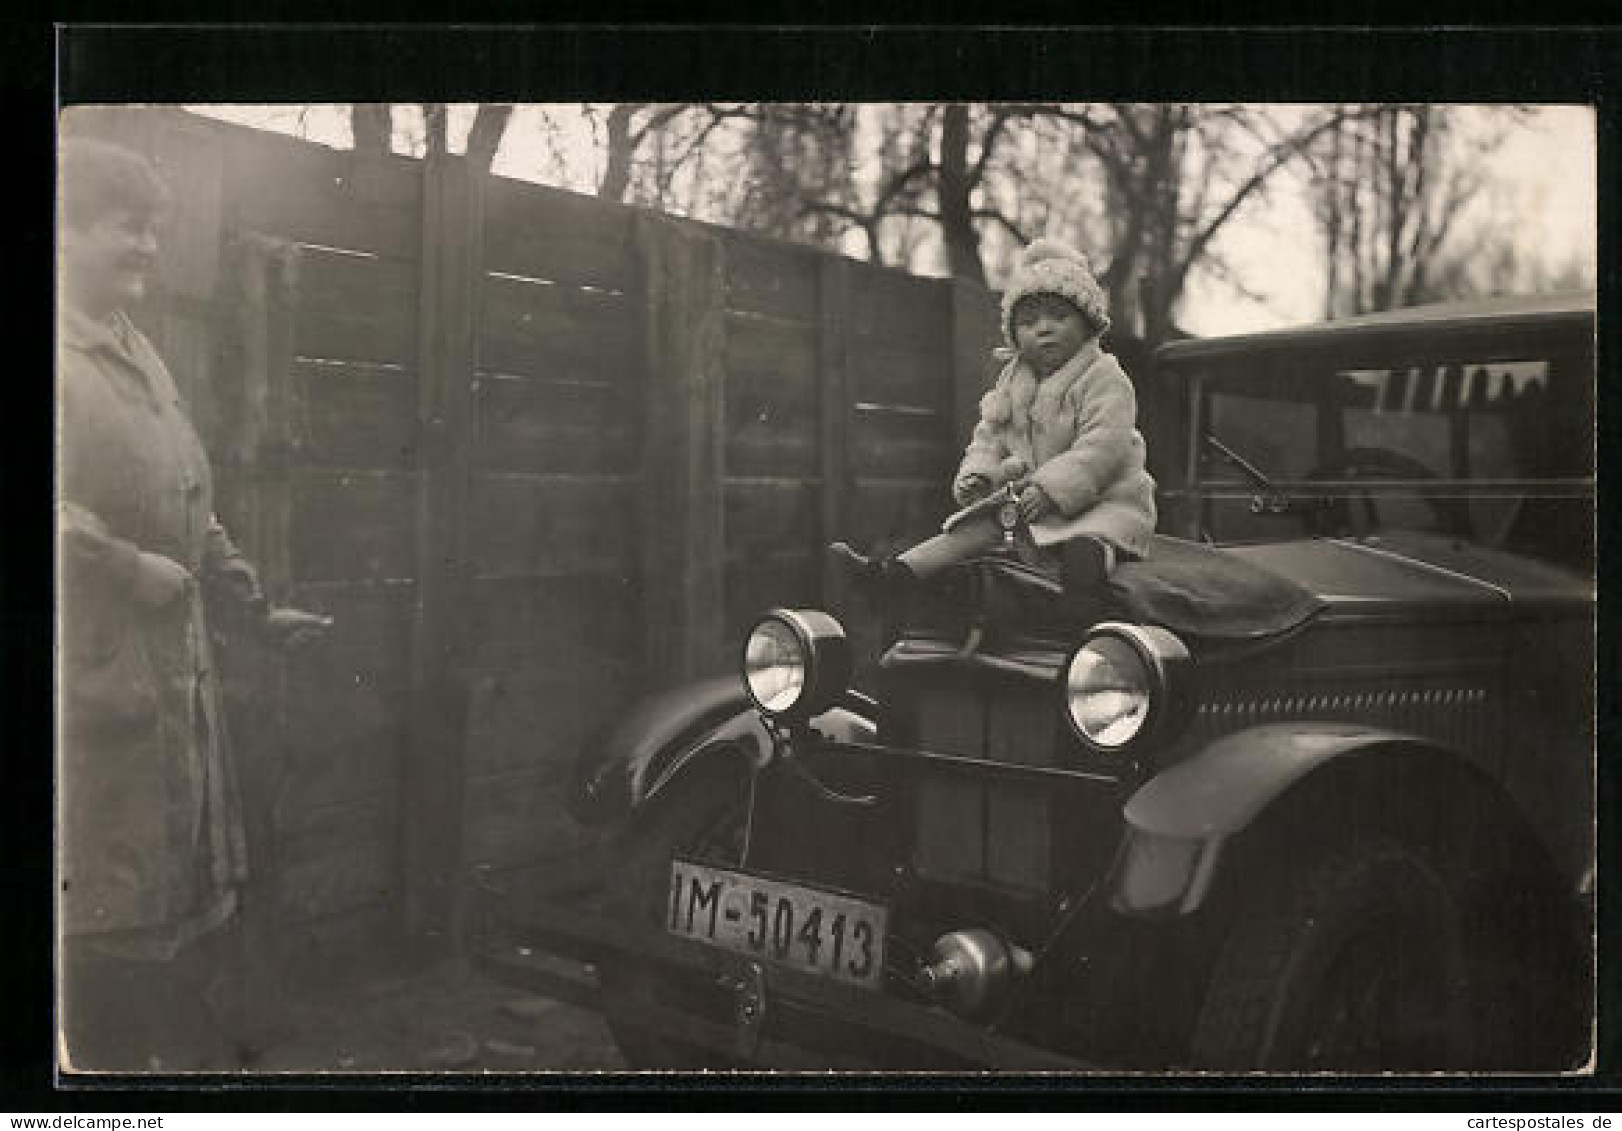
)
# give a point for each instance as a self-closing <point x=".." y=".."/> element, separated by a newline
<point x="1074" y="433"/>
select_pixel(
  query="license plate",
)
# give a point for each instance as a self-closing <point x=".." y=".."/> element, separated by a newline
<point x="835" y="936"/>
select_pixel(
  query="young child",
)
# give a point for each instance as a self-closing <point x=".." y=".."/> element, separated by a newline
<point x="1060" y="425"/>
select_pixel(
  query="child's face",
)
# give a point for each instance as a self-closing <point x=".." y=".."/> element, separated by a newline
<point x="1048" y="331"/>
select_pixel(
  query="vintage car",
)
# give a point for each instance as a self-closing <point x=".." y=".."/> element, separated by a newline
<point x="1310" y="788"/>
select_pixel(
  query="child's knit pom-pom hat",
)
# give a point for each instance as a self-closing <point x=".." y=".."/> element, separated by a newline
<point x="1048" y="267"/>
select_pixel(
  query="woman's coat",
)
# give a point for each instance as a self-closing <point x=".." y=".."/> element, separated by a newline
<point x="151" y="840"/>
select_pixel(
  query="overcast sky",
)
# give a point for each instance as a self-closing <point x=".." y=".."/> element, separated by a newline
<point x="1544" y="175"/>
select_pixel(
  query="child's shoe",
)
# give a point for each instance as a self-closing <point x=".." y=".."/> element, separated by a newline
<point x="880" y="579"/>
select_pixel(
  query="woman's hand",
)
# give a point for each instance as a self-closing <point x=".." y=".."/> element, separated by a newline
<point x="1034" y="503"/>
<point x="291" y="629"/>
<point x="159" y="581"/>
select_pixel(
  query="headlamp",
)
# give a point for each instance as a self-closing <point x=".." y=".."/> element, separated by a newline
<point x="1124" y="684"/>
<point x="796" y="663"/>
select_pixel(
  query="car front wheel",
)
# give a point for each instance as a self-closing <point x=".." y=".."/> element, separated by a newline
<point x="700" y="814"/>
<point x="1354" y="963"/>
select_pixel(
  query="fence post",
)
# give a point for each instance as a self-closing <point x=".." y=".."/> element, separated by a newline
<point x="683" y="545"/>
<point x="975" y="331"/>
<point x="833" y="438"/>
<point x="432" y="780"/>
<point x="257" y="353"/>
<point x="260" y="440"/>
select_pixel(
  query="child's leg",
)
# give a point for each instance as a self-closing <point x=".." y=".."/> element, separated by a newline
<point x="936" y="554"/>
<point x="1087" y="563"/>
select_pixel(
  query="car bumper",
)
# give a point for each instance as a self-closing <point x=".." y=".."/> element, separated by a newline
<point x="755" y="1015"/>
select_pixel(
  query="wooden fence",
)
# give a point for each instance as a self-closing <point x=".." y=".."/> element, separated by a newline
<point x="537" y="454"/>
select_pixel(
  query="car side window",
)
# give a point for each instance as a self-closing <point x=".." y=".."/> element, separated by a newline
<point x="1507" y="430"/>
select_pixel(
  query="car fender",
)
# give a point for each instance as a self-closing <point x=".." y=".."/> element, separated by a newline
<point x="1178" y="821"/>
<point x="627" y="763"/>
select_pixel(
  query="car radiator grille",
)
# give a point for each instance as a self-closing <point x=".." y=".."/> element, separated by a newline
<point x="969" y="826"/>
<point x="1462" y="717"/>
<point x="1019" y="726"/>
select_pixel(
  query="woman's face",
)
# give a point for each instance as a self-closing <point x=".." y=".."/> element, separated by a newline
<point x="1048" y="331"/>
<point x="108" y="263"/>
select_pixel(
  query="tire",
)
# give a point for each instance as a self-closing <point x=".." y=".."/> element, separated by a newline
<point x="1356" y="963"/>
<point x="701" y="813"/>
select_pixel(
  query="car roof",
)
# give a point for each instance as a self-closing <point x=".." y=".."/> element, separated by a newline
<point x="1472" y="315"/>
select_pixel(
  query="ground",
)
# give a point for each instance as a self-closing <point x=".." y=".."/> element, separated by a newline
<point x="447" y="1018"/>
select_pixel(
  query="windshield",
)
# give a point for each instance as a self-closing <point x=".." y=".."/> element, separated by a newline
<point x="1498" y="451"/>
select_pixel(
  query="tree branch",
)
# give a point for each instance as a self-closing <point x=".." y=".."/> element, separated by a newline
<point x="1279" y="156"/>
<point x="1002" y="220"/>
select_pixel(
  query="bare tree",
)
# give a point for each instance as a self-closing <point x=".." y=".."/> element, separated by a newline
<point x="372" y="124"/>
<point x="662" y="153"/>
<point x="373" y="127"/>
<point x="629" y="125"/>
<point x="931" y="165"/>
<point x="1146" y="189"/>
<point x="1173" y="178"/>
<point x="1389" y="185"/>
<point x="489" y="126"/>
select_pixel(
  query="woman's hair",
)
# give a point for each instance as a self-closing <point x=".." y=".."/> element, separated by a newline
<point x="96" y="177"/>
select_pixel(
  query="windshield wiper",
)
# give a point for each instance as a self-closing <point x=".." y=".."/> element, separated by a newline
<point x="1271" y="500"/>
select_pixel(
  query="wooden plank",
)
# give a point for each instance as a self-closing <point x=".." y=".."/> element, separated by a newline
<point x="790" y="579"/>
<point x="519" y="818"/>
<point x="894" y="308"/>
<point x="541" y="714"/>
<point x="356" y="308"/>
<point x="344" y="705"/>
<point x="340" y="858"/>
<point x="563" y="237"/>
<point x="247" y="419"/>
<point x="890" y="514"/>
<point x="348" y="762"/>
<point x="682" y="507"/>
<point x="906" y="445"/>
<point x="191" y="158"/>
<point x="756" y="449"/>
<point x="833" y="419"/>
<point x="771" y="279"/>
<point x="904" y="375"/>
<point x="768" y="516"/>
<point x="505" y="400"/>
<point x="565" y="449"/>
<point x="355" y="415"/>
<point x="772" y="399"/>
<point x="351" y="526"/>
<point x="541" y="524"/>
<point x="779" y="356"/>
<point x="976" y="331"/>
<point x="432" y="775"/>
<point x="314" y="195"/>
<point x="587" y="621"/>
<point x="534" y="424"/>
<point x="253" y="444"/>
<point x="189" y="345"/>
<point x="557" y="331"/>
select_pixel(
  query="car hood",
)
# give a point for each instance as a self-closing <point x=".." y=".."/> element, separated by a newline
<point x="1398" y="570"/>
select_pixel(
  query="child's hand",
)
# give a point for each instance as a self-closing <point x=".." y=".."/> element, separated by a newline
<point x="973" y="486"/>
<point x="1034" y="503"/>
